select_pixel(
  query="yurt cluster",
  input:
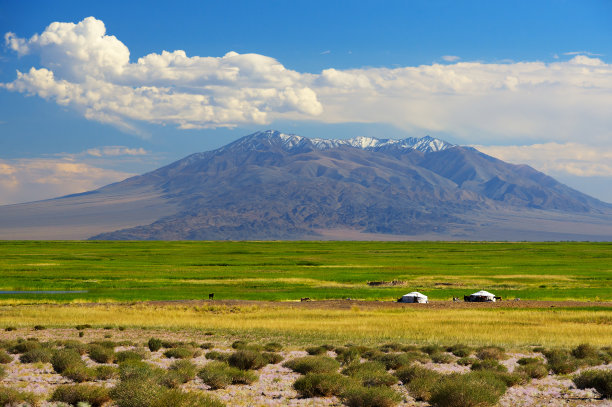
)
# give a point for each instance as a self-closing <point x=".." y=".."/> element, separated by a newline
<point x="480" y="296"/>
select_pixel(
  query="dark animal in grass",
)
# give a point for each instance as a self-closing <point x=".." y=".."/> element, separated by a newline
<point x="211" y="296"/>
<point x="305" y="299"/>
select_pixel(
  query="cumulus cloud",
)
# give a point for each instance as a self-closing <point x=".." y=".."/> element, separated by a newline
<point x="484" y="103"/>
<point x="84" y="68"/>
<point x="450" y="58"/>
<point x="23" y="180"/>
<point x="567" y="158"/>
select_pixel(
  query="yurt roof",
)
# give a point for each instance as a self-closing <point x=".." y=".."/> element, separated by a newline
<point x="414" y="294"/>
<point x="483" y="293"/>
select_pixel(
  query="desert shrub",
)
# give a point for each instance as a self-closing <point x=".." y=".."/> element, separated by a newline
<point x="107" y="344"/>
<point x="460" y="350"/>
<point x="476" y="389"/>
<point x="312" y="364"/>
<point x="431" y="349"/>
<point x="5" y="357"/>
<point x="66" y="358"/>
<point x="74" y="394"/>
<point x="130" y="355"/>
<point x="105" y="372"/>
<point x="418" y="380"/>
<point x="527" y="361"/>
<point x="13" y="397"/>
<point x="83" y="326"/>
<point x="207" y="345"/>
<point x="101" y="354"/>
<point x="247" y="359"/>
<point x="346" y="356"/>
<point x="489" y="364"/>
<point x="36" y="355"/>
<point x="10" y="328"/>
<point x="370" y="397"/>
<point x="154" y="344"/>
<point x="272" y="358"/>
<point x="321" y="384"/>
<point x="219" y="375"/>
<point x="560" y="361"/>
<point x="396" y="360"/>
<point x="214" y="355"/>
<point x="178" y="398"/>
<point x="372" y="354"/>
<point x="273" y="347"/>
<point x="136" y="393"/>
<point x="2" y="372"/>
<point x="467" y="361"/>
<point x="182" y="371"/>
<point x="39" y="327"/>
<point x="79" y="373"/>
<point x="139" y="370"/>
<point x="534" y="370"/>
<point x="370" y="374"/>
<point x="24" y="346"/>
<point x="585" y="351"/>
<point x="600" y="380"/>
<point x="491" y="352"/>
<point x="391" y="347"/>
<point x="316" y="350"/>
<point x="78" y="346"/>
<point x="239" y="344"/>
<point x="442" y="358"/>
<point x="179" y="353"/>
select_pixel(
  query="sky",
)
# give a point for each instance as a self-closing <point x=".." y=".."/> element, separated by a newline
<point x="94" y="92"/>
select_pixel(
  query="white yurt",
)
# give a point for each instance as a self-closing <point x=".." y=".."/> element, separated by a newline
<point x="414" y="297"/>
<point x="481" y="296"/>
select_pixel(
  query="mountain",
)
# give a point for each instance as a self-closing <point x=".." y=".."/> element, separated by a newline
<point x="271" y="185"/>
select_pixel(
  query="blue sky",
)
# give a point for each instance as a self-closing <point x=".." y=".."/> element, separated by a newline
<point x="526" y="81"/>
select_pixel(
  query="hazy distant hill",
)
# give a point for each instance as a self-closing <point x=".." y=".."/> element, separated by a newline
<point x="270" y="185"/>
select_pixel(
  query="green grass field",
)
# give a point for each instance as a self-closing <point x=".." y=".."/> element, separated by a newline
<point x="134" y="271"/>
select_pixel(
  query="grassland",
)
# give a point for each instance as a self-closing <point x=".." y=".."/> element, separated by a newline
<point x="278" y="271"/>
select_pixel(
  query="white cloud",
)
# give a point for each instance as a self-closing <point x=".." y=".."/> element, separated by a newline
<point x="555" y="158"/>
<point x="115" y="151"/>
<point x="451" y="58"/>
<point x="482" y="103"/>
<point x="23" y="180"/>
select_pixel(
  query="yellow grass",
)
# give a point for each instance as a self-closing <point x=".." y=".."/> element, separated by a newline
<point x="513" y="328"/>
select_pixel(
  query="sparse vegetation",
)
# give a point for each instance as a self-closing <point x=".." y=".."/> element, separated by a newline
<point x="313" y="364"/>
<point x="95" y="396"/>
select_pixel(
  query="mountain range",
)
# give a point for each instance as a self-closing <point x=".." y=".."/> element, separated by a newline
<point x="270" y="185"/>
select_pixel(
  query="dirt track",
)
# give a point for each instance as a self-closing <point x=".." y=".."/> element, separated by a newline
<point x="347" y="304"/>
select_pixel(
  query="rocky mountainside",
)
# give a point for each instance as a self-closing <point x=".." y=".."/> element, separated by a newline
<point x="271" y="185"/>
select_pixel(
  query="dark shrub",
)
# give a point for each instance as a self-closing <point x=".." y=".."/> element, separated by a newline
<point x="130" y="355"/>
<point x="316" y="350"/>
<point x="491" y="352"/>
<point x="321" y="384"/>
<point x="534" y="370"/>
<point x="101" y="354"/>
<point x="77" y="346"/>
<point x="431" y="349"/>
<point x="372" y="354"/>
<point x="600" y="380"/>
<point x="79" y="373"/>
<point x="239" y="344"/>
<point x="106" y="344"/>
<point x="489" y="364"/>
<point x="36" y="355"/>
<point x="2" y="372"/>
<point x="396" y="360"/>
<point x="391" y="347"/>
<point x="25" y="346"/>
<point x="273" y="347"/>
<point x="527" y="361"/>
<point x="183" y="370"/>
<point x="477" y="389"/>
<point x="10" y="328"/>
<point x="561" y="361"/>
<point x="370" y="374"/>
<point x="370" y="397"/>
<point x="214" y="355"/>
<point x="136" y="393"/>
<point x="585" y="351"/>
<point x="442" y="358"/>
<point x="460" y="350"/>
<point x="247" y="359"/>
<point x="219" y="375"/>
<point x="12" y="397"/>
<point x="179" y="353"/>
<point x="312" y="364"/>
<point x="73" y="394"/>
<point x="39" y="327"/>
<point x="178" y="398"/>
<point x="418" y="380"/>
<point x="207" y="345"/>
<point x="272" y="358"/>
<point x="154" y="344"/>
<point x="105" y="372"/>
<point x="82" y="327"/>
<point x="5" y="357"/>
<point x="346" y="356"/>
<point x="66" y="358"/>
<point x="466" y="361"/>
<point x="138" y="370"/>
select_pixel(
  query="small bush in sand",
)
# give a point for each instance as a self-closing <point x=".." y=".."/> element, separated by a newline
<point x="66" y="358"/>
<point x="312" y="364"/>
<point x="101" y="354"/>
<point x="322" y="385"/>
<point x="418" y="380"/>
<point x="219" y="375"/>
<point x="154" y="344"/>
<point x="460" y="350"/>
<point x="23" y="346"/>
<point x="467" y="361"/>
<point x="179" y="398"/>
<point x="560" y="361"/>
<point x="370" y="374"/>
<point x="239" y="344"/>
<point x="442" y="358"/>
<point x="476" y="389"/>
<point x="130" y="355"/>
<point x="491" y="352"/>
<point x="600" y="380"/>
<point x="138" y="370"/>
<point x="180" y="372"/>
<point x="5" y="357"/>
<point x="346" y="356"/>
<point x="106" y="372"/>
<point x="272" y="358"/>
<point x="534" y="370"/>
<point x="73" y="394"/>
<point x="489" y="364"/>
<point x="13" y="397"/>
<point x="207" y="345"/>
<point x="396" y="360"/>
<point x="316" y="350"/>
<point x="215" y="355"/>
<point x="36" y="355"/>
<point x="39" y="327"/>
<point x="2" y="372"/>
<point x="273" y="347"/>
<point x="179" y="353"/>
<point x="247" y="359"/>
<point x="79" y="373"/>
<point x="370" y="397"/>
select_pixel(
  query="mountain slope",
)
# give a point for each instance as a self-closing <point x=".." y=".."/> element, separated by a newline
<point x="271" y="185"/>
